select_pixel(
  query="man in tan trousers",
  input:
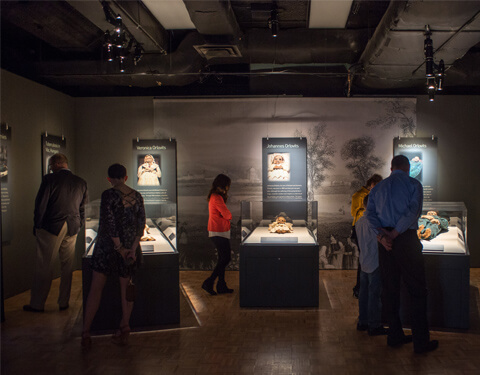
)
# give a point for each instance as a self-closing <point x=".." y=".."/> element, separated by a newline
<point x="58" y="217"/>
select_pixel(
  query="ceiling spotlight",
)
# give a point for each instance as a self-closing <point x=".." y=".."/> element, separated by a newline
<point x="273" y="22"/>
<point x="118" y="24"/>
<point x="109" y="46"/>
<point x="434" y="73"/>
<point x="428" y="56"/>
<point x="121" y="64"/>
<point x="441" y="68"/>
<point x="107" y="37"/>
<point x="110" y="53"/>
<point x="440" y="75"/>
<point x="119" y="41"/>
<point x="137" y="54"/>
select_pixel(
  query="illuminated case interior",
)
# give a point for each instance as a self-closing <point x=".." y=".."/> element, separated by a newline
<point x="160" y="235"/>
<point x="256" y="216"/>
<point x="453" y="241"/>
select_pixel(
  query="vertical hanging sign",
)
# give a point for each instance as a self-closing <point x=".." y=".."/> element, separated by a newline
<point x="422" y="153"/>
<point x="155" y="166"/>
<point x="5" y="181"/>
<point x="284" y="169"/>
<point x="51" y="145"/>
<point x="284" y="177"/>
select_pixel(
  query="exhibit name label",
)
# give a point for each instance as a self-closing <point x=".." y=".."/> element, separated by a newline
<point x="144" y="148"/>
<point x="288" y="145"/>
<point x="414" y="145"/>
<point x="52" y="147"/>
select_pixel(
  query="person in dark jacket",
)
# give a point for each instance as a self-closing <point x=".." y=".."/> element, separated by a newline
<point x="58" y="217"/>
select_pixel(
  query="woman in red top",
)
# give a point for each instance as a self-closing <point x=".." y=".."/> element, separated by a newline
<point x="219" y="231"/>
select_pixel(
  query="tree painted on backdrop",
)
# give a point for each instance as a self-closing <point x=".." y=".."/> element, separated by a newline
<point x="358" y="152"/>
<point x="397" y="113"/>
<point x="320" y="151"/>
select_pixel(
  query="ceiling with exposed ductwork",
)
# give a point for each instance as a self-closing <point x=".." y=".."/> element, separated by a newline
<point x="227" y="47"/>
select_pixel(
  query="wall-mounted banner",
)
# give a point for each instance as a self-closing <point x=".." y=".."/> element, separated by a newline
<point x="422" y="153"/>
<point x="5" y="181"/>
<point x="155" y="163"/>
<point x="284" y="169"/>
<point x="51" y="145"/>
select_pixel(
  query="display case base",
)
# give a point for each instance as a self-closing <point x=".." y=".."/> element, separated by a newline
<point x="157" y="300"/>
<point x="448" y="283"/>
<point x="275" y="275"/>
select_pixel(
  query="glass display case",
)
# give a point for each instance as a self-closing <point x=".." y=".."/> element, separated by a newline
<point x="443" y="228"/>
<point x="279" y="254"/>
<point x="447" y="265"/>
<point x="279" y="222"/>
<point x="157" y="278"/>
<point x="159" y="236"/>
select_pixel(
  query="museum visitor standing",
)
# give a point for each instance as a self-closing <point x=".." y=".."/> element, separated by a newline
<point x="393" y="209"/>
<point x="117" y="251"/>
<point x="357" y="210"/>
<point x="58" y="216"/>
<point x="369" y="298"/>
<point x="219" y="232"/>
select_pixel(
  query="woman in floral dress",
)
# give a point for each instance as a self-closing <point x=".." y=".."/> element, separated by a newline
<point x="121" y="225"/>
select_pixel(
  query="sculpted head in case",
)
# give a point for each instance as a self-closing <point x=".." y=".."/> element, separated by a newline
<point x="280" y="225"/>
<point x="281" y="220"/>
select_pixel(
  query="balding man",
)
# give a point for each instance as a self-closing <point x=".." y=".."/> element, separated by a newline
<point x="393" y="209"/>
<point x="58" y="217"/>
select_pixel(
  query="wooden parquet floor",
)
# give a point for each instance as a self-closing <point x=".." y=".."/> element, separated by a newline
<point x="231" y="340"/>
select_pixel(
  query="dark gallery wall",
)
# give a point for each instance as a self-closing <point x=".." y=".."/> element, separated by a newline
<point x="30" y="110"/>
<point x="99" y="132"/>
<point x="105" y="129"/>
<point x="455" y="121"/>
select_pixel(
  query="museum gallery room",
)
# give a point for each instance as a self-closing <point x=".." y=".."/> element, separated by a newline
<point x="299" y="103"/>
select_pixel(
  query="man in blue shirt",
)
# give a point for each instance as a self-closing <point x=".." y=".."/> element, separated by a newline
<point x="393" y="209"/>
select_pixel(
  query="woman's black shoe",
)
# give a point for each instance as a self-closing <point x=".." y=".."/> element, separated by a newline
<point x="223" y="288"/>
<point x="208" y="287"/>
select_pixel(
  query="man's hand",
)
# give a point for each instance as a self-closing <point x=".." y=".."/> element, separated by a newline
<point x="392" y="233"/>
<point x="386" y="238"/>
<point x="385" y="241"/>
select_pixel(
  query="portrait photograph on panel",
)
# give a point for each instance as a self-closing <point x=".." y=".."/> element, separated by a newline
<point x="416" y="164"/>
<point x="279" y="166"/>
<point x="149" y="172"/>
<point x="3" y="163"/>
